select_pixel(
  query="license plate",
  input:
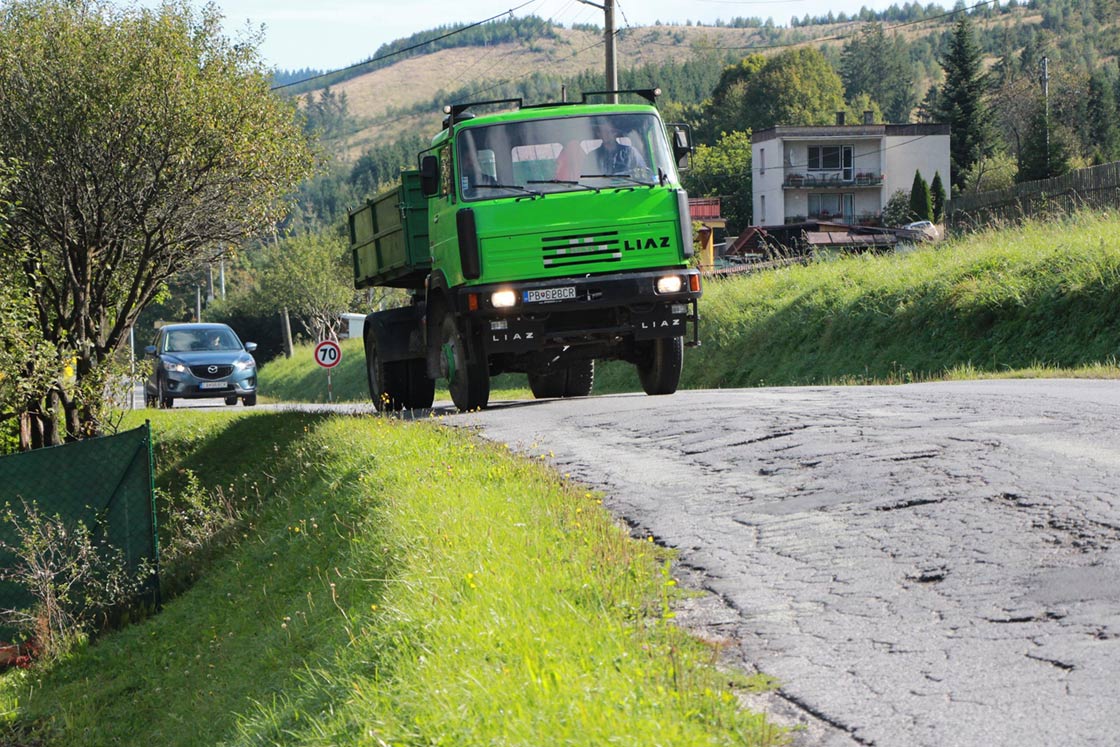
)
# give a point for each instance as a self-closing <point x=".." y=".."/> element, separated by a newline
<point x="544" y="295"/>
<point x="213" y="385"/>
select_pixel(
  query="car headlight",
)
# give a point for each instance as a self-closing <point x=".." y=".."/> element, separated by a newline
<point x="174" y="366"/>
<point x="245" y="365"/>
<point x="670" y="284"/>
<point x="503" y="299"/>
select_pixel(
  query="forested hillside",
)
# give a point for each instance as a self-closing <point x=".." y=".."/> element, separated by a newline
<point x="909" y="63"/>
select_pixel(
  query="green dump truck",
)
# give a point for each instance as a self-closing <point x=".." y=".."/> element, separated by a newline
<point x="536" y="240"/>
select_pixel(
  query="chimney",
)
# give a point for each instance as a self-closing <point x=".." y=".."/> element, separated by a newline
<point x="868" y="117"/>
<point x="839" y="118"/>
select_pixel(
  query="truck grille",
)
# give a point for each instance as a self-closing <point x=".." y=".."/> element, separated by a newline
<point x="581" y="249"/>
<point x="210" y="371"/>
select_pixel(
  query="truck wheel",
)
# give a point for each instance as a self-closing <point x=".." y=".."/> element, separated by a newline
<point x="581" y="378"/>
<point x="469" y="382"/>
<point x="548" y="385"/>
<point x="388" y="383"/>
<point x="573" y="380"/>
<point x="421" y="389"/>
<point x="661" y="370"/>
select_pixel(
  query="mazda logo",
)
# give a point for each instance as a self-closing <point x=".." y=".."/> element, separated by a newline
<point x="212" y="369"/>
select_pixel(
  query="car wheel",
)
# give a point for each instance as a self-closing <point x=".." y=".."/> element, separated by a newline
<point x="660" y="372"/>
<point x="467" y="379"/>
<point x="231" y="400"/>
<point x="165" y="401"/>
<point x="249" y="400"/>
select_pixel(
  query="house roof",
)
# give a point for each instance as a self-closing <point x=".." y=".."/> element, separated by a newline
<point x="859" y="130"/>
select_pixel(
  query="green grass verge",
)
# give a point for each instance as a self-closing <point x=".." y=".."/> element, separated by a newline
<point x="398" y="583"/>
<point x="1042" y="299"/>
<point x="301" y="379"/>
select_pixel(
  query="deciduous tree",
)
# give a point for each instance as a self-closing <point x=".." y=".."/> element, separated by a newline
<point x="149" y="143"/>
<point x="724" y="171"/>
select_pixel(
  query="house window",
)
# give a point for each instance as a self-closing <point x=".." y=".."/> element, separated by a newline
<point x="831" y="158"/>
<point x="824" y="157"/>
<point x="830" y="205"/>
<point x="824" y="205"/>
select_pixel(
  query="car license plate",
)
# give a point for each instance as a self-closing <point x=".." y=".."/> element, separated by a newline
<point x="213" y="385"/>
<point x="544" y="295"/>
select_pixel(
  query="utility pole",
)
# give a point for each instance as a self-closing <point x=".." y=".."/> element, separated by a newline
<point x="1046" y="111"/>
<point x="608" y="39"/>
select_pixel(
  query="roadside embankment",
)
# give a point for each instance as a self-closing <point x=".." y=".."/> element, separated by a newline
<point x="389" y="583"/>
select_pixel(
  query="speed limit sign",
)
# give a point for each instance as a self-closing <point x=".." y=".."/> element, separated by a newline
<point x="328" y="354"/>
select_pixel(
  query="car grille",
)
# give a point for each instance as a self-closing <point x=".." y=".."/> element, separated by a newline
<point x="211" y="371"/>
<point x="581" y="249"/>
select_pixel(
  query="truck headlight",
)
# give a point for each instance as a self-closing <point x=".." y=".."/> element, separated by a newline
<point x="503" y="299"/>
<point x="670" y="284"/>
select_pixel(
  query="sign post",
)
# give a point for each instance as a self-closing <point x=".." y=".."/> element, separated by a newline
<point x="328" y="355"/>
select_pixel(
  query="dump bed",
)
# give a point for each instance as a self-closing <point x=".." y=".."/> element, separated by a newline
<point x="389" y="237"/>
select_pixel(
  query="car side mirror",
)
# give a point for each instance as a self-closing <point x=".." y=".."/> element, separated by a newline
<point x="682" y="145"/>
<point x="150" y="350"/>
<point x="429" y="176"/>
<point x="250" y="347"/>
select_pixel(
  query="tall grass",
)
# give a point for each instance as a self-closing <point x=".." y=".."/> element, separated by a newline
<point x="1032" y="300"/>
<point x="398" y="583"/>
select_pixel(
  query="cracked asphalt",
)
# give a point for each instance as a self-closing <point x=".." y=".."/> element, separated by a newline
<point x="929" y="564"/>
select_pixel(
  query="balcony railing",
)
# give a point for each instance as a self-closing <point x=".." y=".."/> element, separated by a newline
<point x="819" y="181"/>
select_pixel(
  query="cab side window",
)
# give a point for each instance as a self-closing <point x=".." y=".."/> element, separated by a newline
<point x="445" y="171"/>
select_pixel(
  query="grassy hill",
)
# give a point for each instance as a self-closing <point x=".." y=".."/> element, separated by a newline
<point x="406" y="96"/>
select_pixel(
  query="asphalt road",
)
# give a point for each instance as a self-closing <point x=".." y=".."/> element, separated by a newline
<point x="932" y="564"/>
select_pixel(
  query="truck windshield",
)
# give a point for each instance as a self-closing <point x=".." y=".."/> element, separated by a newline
<point x="519" y="159"/>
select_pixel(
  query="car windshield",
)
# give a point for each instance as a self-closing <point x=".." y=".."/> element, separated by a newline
<point x="519" y="159"/>
<point x="196" y="340"/>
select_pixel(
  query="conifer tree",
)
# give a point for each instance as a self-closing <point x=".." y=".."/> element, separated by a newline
<point x="961" y="102"/>
<point x="938" y="197"/>
<point x="921" y="205"/>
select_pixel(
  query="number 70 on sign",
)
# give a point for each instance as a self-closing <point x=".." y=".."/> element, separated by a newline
<point x="328" y="354"/>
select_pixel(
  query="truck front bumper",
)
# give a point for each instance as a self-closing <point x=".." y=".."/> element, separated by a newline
<point x="583" y="310"/>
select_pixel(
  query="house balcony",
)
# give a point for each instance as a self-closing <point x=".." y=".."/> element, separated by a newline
<point x="833" y="180"/>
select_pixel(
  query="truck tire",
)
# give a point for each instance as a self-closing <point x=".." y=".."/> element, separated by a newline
<point x="421" y="389"/>
<point x="388" y="381"/>
<point x="549" y="384"/>
<point x="573" y="380"/>
<point x="660" y="372"/>
<point x="467" y="380"/>
<point x="581" y="378"/>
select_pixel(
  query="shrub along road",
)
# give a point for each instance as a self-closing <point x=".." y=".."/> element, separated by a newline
<point x="929" y="564"/>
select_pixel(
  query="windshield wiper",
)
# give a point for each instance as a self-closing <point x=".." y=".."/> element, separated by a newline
<point x="562" y="181"/>
<point x="627" y="177"/>
<point x="518" y="187"/>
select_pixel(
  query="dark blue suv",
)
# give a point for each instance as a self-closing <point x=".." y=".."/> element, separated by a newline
<point x="201" y="361"/>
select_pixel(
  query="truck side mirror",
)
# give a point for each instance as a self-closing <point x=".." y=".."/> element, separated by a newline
<point x="429" y="176"/>
<point x="682" y="145"/>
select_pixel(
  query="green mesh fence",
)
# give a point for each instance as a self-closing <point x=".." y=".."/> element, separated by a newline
<point x="104" y="483"/>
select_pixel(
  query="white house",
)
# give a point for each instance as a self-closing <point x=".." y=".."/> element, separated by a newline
<point x="842" y="173"/>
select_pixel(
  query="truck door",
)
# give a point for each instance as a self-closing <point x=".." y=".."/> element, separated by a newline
<point x="441" y="221"/>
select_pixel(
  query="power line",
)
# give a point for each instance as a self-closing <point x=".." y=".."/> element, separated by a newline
<point x="406" y="49"/>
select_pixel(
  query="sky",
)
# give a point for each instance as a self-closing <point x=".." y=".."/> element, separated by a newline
<point x="331" y="34"/>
